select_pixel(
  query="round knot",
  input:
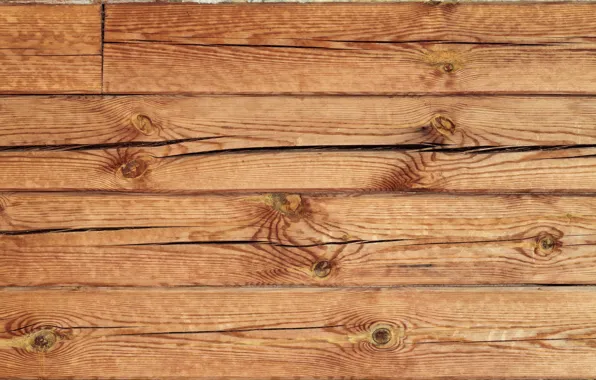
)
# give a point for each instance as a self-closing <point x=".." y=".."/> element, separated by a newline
<point x="322" y="268"/>
<point x="133" y="169"/>
<point x="448" y="67"/>
<point x="381" y="336"/>
<point x="143" y="124"/>
<point x="42" y="341"/>
<point x="546" y="244"/>
<point x="443" y="125"/>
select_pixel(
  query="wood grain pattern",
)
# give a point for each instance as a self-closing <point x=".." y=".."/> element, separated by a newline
<point x="349" y="68"/>
<point x="291" y="219"/>
<point x="540" y="259"/>
<point x="51" y="30"/>
<point x="175" y="168"/>
<point x="47" y="49"/>
<point x="231" y="333"/>
<point x="312" y="24"/>
<point x="236" y="122"/>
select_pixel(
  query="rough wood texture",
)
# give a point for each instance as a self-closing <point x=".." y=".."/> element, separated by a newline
<point x="355" y="68"/>
<point x="175" y="168"/>
<point x="236" y="122"/>
<point x="303" y="25"/>
<point x="290" y="219"/>
<point x="247" y="333"/>
<point x="50" y="30"/>
<point x="50" y="49"/>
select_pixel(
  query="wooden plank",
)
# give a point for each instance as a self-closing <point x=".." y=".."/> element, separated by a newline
<point x="419" y="333"/>
<point x="233" y="122"/>
<point x="172" y="168"/>
<point x="51" y="30"/>
<point x="50" y="74"/>
<point x="290" y="239"/>
<point x="355" y="68"/>
<point x="310" y="24"/>
<point x="541" y="259"/>
<point x="291" y="219"/>
<point x="50" y="49"/>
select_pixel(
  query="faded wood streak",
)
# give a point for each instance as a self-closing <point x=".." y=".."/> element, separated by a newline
<point x="231" y="122"/>
<point x="432" y="333"/>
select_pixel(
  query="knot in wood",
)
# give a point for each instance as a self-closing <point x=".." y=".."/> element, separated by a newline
<point x="287" y="204"/>
<point x="42" y="341"/>
<point x="443" y="125"/>
<point x="448" y="67"/>
<point x="133" y="169"/>
<point x="143" y="123"/>
<point x="322" y="268"/>
<point x="546" y="244"/>
<point x="381" y="336"/>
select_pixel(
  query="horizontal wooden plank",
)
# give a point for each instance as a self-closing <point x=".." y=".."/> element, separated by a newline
<point x="290" y="239"/>
<point x="353" y="68"/>
<point x="288" y="218"/>
<point x="236" y="122"/>
<point x="50" y="30"/>
<point x="53" y="74"/>
<point x="542" y="259"/>
<point x="310" y="24"/>
<point x="47" y="49"/>
<point x="505" y="333"/>
<point x="171" y="169"/>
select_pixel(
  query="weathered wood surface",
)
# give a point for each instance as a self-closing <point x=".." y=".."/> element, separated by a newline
<point x="175" y="168"/>
<point x="306" y="25"/>
<point x="277" y="239"/>
<point x="237" y="122"/>
<point x="247" y="333"/>
<point x="50" y="49"/>
<point x="349" y="68"/>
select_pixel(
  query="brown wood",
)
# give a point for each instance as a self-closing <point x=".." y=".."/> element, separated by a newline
<point x="354" y="68"/>
<point x="246" y="333"/>
<point x="172" y="168"/>
<point x="236" y="122"/>
<point x="55" y="259"/>
<point x="51" y="30"/>
<point x="313" y="24"/>
<point x="120" y="219"/>
<point x="50" y="49"/>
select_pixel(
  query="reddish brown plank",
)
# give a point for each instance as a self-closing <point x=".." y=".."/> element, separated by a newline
<point x="313" y="24"/>
<point x="235" y="122"/>
<point x="291" y="219"/>
<point x="419" y="333"/>
<point x="47" y="49"/>
<point x="50" y="30"/>
<point x="541" y="259"/>
<point x="348" y="68"/>
<point x="171" y="169"/>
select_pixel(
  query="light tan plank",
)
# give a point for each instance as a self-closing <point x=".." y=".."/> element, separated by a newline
<point x="312" y="24"/>
<point x="168" y="169"/>
<point x="230" y="122"/>
<point x="505" y="333"/>
<point x="349" y="68"/>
